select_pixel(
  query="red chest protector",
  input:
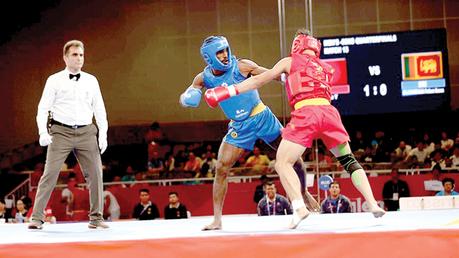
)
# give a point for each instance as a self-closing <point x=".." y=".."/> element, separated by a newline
<point x="309" y="78"/>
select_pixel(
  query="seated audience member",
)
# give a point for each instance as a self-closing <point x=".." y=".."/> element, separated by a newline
<point x="272" y="203"/>
<point x="258" y="162"/>
<point x="193" y="165"/>
<point x="130" y="175"/>
<point x="21" y="212"/>
<point x="420" y="153"/>
<point x="139" y="184"/>
<point x="169" y="166"/>
<point x="358" y="143"/>
<point x="446" y="143"/>
<point x="155" y="166"/>
<point x="49" y="217"/>
<point x="454" y="159"/>
<point x="325" y="161"/>
<point x="402" y="151"/>
<point x="67" y="195"/>
<point x="117" y="180"/>
<point x="259" y="189"/>
<point x="448" y="187"/>
<point x="112" y="208"/>
<point x="429" y="145"/>
<point x="145" y="209"/>
<point x="4" y="213"/>
<point x="436" y="172"/>
<point x="175" y="210"/>
<point x="209" y="164"/>
<point x="393" y="190"/>
<point x="437" y="159"/>
<point x="335" y="202"/>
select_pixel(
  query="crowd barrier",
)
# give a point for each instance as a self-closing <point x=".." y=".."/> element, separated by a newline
<point x="239" y="199"/>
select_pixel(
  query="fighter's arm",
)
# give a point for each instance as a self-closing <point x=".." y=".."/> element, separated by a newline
<point x="283" y="66"/>
<point x="249" y="68"/>
<point x="216" y="95"/>
<point x="192" y="95"/>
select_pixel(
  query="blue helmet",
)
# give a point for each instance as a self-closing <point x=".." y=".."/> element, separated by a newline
<point x="209" y="49"/>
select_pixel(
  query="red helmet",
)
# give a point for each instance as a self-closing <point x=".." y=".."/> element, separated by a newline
<point x="303" y="42"/>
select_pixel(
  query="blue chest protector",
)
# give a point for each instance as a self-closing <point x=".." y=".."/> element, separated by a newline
<point x="238" y="107"/>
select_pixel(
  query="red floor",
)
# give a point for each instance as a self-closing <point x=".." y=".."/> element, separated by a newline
<point x="421" y="243"/>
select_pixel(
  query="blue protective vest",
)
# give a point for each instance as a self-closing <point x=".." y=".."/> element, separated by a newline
<point x="238" y="107"/>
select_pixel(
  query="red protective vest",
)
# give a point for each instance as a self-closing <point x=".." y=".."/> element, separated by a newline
<point x="309" y="78"/>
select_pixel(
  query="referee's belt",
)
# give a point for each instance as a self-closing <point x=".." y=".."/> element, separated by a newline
<point x="54" y="122"/>
<point x="311" y="102"/>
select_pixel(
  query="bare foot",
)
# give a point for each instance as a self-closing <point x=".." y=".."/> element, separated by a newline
<point x="377" y="211"/>
<point x="298" y="216"/>
<point x="213" y="226"/>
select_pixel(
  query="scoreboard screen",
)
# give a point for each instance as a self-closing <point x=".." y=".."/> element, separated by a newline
<point x="389" y="72"/>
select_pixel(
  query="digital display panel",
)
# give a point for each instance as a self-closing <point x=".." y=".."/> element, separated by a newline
<point x="389" y="72"/>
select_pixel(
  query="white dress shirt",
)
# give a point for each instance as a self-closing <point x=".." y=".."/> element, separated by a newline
<point x="72" y="102"/>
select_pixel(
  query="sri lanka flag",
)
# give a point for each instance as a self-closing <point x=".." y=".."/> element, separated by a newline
<point x="422" y="66"/>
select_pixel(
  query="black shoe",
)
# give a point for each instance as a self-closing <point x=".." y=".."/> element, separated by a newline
<point x="36" y="224"/>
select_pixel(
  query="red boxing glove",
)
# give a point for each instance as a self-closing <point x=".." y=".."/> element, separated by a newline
<point x="218" y="94"/>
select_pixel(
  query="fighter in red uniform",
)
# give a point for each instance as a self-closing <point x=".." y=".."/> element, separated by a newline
<point x="308" y="88"/>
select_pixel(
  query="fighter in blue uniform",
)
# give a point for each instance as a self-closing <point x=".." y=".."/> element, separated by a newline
<point x="250" y="118"/>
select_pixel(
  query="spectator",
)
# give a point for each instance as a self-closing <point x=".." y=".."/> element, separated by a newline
<point x="448" y="187"/>
<point x="209" y="165"/>
<point x="175" y="210"/>
<point x="153" y="137"/>
<point x="21" y="212"/>
<point x="258" y="162"/>
<point x="419" y="153"/>
<point x="139" y="181"/>
<point x="145" y="209"/>
<point x="436" y="172"/>
<point x="169" y="166"/>
<point x="358" y="144"/>
<point x="437" y="159"/>
<point x="429" y="145"/>
<point x="49" y="217"/>
<point x="336" y="202"/>
<point x="446" y="143"/>
<point x="402" y="151"/>
<point x="67" y="196"/>
<point x="272" y="203"/>
<point x="393" y="190"/>
<point x="454" y="159"/>
<point x="259" y="191"/>
<point x="117" y="179"/>
<point x="325" y="161"/>
<point x="130" y="175"/>
<point x="4" y="213"/>
<point x="193" y="165"/>
<point x="112" y="208"/>
<point x="155" y="166"/>
<point x="379" y="143"/>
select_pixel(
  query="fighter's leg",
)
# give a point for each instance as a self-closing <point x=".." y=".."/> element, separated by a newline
<point x="287" y="154"/>
<point x="359" y="178"/>
<point x="227" y="156"/>
<point x="310" y="201"/>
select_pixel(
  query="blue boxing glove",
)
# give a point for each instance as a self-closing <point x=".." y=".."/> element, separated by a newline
<point x="191" y="97"/>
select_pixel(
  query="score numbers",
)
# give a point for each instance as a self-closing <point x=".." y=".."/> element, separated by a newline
<point x="375" y="90"/>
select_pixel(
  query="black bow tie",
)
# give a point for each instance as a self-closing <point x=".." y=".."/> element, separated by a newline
<point x="77" y="76"/>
